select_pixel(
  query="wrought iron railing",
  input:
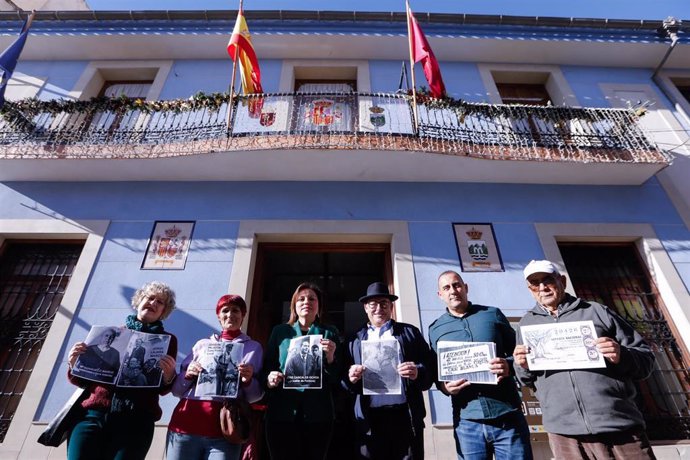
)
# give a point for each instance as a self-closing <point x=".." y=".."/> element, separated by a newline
<point x="123" y="128"/>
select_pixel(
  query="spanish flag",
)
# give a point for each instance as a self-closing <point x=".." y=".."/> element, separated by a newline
<point x="240" y="45"/>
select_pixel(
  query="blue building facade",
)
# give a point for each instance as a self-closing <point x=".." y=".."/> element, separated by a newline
<point x="336" y="191"/>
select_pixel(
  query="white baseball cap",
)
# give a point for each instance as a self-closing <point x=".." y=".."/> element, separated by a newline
<point x="540" y="266"/>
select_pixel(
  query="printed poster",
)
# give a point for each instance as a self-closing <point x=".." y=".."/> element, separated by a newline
<point x="381" y="359"/>
<point x="220" y="374"/>
<point x="570" y="345"/>
<point x="466" y="360"/>
<point x="304" y="364"/>
<point x="121" y="356"/>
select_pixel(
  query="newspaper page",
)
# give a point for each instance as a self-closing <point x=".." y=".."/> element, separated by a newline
<point x="466" y="360"/>
<point x="569" y="345"/>
<point x="117" y="355"/>
<point x="381" y="359"/>
<point x="220" y="374"/>
<point x="304" y="364"/>
<point x="140" y="364"/>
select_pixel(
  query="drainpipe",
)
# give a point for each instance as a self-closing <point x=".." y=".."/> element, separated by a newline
<point x="668" y="29"/>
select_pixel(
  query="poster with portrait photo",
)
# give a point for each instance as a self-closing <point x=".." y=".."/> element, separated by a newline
<point x="117" y="355"/>
<point x="140" y="367"/>
<point x="304" y="364"/>
<point x="381" y="359"/>
<point x="102" y="359"/>
<point x="220" y="376"/>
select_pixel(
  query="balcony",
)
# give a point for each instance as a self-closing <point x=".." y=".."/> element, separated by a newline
<point x="344" y="136"/>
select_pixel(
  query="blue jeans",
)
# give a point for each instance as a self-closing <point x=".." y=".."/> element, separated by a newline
<point x="194" y="447"/>
<point x="506" y="437"/>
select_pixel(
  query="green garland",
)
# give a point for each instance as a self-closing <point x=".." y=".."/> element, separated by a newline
<point x="20" y="113"/>
<point x="553" y="114"/>
<point x="33" y="106"/>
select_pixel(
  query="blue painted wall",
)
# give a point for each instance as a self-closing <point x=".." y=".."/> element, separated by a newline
<point x="218" y="208"/>
<point x="189" y="77"/>
<point x="462" y="79"/>
<point x="60" y="76"/>
<point x="429" y="209"/>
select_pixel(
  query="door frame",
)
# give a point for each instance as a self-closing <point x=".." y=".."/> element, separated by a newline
<point x="24" y="429"/>
<point x="394" y="233"/>
<point x="672" y="289"/>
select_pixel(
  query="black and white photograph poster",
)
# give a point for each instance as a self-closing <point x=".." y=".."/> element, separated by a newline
<point x="381" y="359"/>
<point x="466" y="360"/>
<point x="304" y="364"/>
<point x="220" y="374"/>
<point x="117" y="355"/>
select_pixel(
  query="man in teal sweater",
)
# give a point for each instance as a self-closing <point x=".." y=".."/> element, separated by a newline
<point x="487" y="418"/>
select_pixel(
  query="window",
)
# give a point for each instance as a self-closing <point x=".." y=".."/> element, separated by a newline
<point x="548" y="76"/>
<point x="685" y="91"/>
<point x="111" y="121"/>
<point x="331" y="107"/>
<point x="524" y="93"/>
<point x="33" y="280"/>
<point x="614" y="275"/>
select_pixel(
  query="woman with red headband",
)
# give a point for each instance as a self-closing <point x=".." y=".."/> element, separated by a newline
<point x="194" y="431"/>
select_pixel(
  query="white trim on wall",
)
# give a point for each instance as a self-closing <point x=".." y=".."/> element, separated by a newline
<point x="253" y="232"/>
<point x="664" y="130"/>
<point x="671" y="286"/>
<point x="665" y="79"/>
<point x="287" y="73"/>
<point x="560" y="91"/>
<point x="97" y="72"/>
<point x="22" y="433"/>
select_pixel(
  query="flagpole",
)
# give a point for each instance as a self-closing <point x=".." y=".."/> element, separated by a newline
<point x="234" y="71"/>
<point x="414" y="85"/>
<point x="30" y="19"/>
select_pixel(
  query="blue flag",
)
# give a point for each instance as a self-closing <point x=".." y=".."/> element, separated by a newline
<point x="9" y="58"/>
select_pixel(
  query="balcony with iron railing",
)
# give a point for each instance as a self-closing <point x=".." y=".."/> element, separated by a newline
<point x="125" y="129"/>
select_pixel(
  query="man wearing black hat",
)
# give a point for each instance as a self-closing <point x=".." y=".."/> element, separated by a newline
<point x="390" y="426"/>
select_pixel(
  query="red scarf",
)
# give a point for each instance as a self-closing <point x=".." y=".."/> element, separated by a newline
<point x="229" y="335"/>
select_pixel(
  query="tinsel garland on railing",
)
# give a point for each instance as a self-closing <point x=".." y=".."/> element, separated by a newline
<point x="349" y="120"/>
<point x="32" y="106"/>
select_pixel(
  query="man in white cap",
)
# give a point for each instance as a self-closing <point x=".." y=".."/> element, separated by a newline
<point x="588" y="413"/>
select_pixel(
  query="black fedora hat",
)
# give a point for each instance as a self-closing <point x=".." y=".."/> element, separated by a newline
<point x="378" y="290"/>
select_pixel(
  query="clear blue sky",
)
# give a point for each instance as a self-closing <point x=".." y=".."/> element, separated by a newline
<point x="611" y="9"/>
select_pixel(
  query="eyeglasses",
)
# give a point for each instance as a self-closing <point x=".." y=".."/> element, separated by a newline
<point x="546" y="280"/>
<point x="154" y="299"/>
<point x="384" y="304"/>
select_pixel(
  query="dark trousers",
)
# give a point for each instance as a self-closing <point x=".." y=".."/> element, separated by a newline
<point x="105" y="436"/>
<point x="291" y="440"/>
<point x="624" y="445"/>
<point x="391" y="435"/>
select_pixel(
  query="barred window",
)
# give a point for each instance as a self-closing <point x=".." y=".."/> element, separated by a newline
<point x="33" y="279"/>
<point x="614" y="275"/>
